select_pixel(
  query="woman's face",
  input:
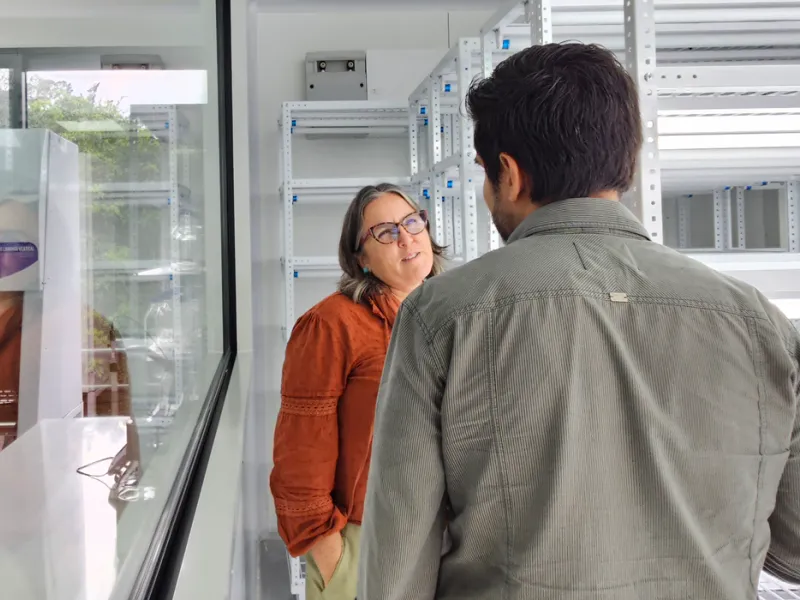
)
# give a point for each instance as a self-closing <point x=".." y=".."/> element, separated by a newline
<point x="402" y="264"/>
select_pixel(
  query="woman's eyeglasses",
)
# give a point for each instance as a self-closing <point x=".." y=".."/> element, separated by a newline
<point x="387" y="233"/>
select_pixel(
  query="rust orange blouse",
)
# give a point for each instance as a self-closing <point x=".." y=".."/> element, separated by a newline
<point x="323" y="436"/>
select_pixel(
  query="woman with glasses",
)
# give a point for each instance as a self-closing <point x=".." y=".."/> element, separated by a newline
<point x="331" y="374"/>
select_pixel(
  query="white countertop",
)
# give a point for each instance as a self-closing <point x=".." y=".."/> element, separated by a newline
<point x="58" y="532"/>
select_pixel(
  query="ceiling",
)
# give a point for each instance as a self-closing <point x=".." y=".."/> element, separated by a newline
<point x="95" y="8"/>
<point x="110" y="8"/>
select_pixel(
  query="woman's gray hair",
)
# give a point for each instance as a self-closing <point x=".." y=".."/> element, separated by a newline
<point x="355" y="284"/>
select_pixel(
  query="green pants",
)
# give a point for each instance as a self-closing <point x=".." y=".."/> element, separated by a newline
<point x="342" y="585"/>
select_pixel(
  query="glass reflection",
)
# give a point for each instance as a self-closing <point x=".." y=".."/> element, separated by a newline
<point x="110" y="306"/>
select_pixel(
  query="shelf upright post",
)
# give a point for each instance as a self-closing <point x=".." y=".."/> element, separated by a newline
<point x="448" y="201"/>
<point x="175" y="250"/>
<point x="723" y="226"/>
<point x="741" y="229"/>
<point x="458" y="248"/>
<point x="683" y="221"/>
<point x="539" y="13"/>
<point x="413" y="148"/>
<point x="413" y="137"/>
<point x="640" y="59"/>
<point x="466" y="160"/>
<point x="489" y="45"/>
<point x="793" y="197"/>
<point x="416" y="143"/>
<point x="435" y="153"/>
<point x="288" y="218"/>
<point x="288" y="197"/>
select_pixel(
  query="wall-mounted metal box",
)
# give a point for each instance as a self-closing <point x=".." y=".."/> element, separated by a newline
<point x="336" y="75"/>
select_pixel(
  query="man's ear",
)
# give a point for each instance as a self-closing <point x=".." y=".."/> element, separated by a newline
<point x="515" y="180"/>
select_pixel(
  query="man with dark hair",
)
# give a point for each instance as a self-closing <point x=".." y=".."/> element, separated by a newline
<point x="589" y="414"/>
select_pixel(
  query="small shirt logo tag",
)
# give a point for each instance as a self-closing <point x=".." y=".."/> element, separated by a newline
<point x="618" y="297"/>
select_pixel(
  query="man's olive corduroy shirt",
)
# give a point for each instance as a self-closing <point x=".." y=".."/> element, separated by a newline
<point x="597" y="416"/>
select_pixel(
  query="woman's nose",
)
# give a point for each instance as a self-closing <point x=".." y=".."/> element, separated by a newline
<point x="403" y="238"/>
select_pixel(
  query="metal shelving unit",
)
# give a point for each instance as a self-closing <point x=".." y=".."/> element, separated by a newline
<point x="719" y="88"/>
<point x="442" y="157"/>
<point x="316" y="120"/>
<point x="719" y="116"/>
<point x="155" y="402"/>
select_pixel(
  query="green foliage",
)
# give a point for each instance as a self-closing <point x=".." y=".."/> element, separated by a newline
<point x="130" y="155"/>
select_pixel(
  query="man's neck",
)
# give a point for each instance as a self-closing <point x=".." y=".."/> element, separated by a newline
<point x="606" y="195"/>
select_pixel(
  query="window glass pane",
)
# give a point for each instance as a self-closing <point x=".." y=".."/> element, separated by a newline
<point x="111" y="286"/>
<point x="5" y="96"/>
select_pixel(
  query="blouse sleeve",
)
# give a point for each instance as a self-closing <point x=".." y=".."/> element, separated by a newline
<point x="306" y="443"/>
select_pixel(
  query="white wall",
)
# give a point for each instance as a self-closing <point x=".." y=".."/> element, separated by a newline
<point x="85" y="23"/>
<point x="283" y="41"/>
<point x="135" y="29"/>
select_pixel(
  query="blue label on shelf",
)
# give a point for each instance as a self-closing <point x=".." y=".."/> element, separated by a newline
<point x="446" y="87"/>
<point x="426" y="122"/>
<point x="16" y="257"/>
<point x="166" y="125"/>
<point x="506" y="44"/>
<point x="294" y="122"/>
<point x="294" y="199"/>
<point x="449" y="183"/>
<point x="422" y="110"/>
<point x="295" y="274"/>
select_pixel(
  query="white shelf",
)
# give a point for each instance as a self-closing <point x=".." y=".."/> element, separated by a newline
<point x="355" y="118"/>
<point x="335" y="190"/>
<point x="157" y="194"/>
<point x="144" y="269"/>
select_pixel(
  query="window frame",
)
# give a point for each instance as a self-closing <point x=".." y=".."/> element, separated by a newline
<point x="13" y="61"/>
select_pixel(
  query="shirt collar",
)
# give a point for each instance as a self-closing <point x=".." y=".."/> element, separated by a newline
<point x="581" y="215"/>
